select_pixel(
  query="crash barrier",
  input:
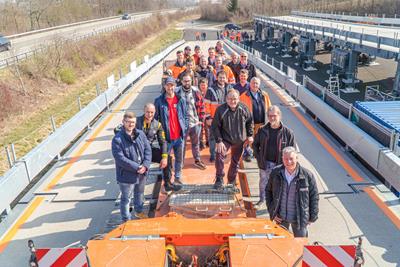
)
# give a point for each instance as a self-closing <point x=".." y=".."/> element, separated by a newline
<point x="136" y="17"/>
<point x="86" y="22"/>
<point x="340" y="117"/>
<point x="358" y="19"/>
<point x="25" y="169"/>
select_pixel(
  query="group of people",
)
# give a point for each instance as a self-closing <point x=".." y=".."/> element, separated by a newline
<point x="216" y="102"/>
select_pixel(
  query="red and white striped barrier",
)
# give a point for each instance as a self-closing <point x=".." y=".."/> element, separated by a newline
<point x="61" y="257"/>
<point x="329" y="256"/>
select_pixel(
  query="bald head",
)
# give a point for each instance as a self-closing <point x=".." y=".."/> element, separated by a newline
<point x="149" y="112"/>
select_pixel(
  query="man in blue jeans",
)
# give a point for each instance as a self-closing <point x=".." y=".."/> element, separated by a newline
<point x="195" y="112"/>
<point x="171" y="112"/>
<point x="132" y="154"/>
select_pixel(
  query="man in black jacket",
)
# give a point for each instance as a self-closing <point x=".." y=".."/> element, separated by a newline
<point x="245" y="64"/>
<point x="292" y="194"/>
<point x="231" y="127"/>
<point x="267" y="147"/>
<point x="156" y="136"/>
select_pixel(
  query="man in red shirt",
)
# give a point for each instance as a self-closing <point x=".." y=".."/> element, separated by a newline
<point x="171" y="112"/>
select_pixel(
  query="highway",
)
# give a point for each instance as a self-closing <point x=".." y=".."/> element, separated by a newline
<point x="30" y="42"/>
<point x="78" y="197"/>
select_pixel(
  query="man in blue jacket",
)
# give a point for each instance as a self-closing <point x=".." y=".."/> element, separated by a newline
<point x="171" y="112"/>
<point x="132" y="154"/>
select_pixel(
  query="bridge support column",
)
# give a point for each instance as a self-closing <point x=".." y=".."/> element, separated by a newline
<point x="307" y="51"/>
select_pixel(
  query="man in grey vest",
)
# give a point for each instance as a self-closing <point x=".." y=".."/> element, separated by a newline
<point x="292" y="194"/>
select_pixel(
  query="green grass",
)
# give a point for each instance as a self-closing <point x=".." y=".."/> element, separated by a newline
<point x="31" y="132"/>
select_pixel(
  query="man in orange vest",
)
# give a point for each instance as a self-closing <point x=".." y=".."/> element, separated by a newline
<point x="179" y="65"/>
<point x="220" y="67"/>
<point x="258" y="103"/>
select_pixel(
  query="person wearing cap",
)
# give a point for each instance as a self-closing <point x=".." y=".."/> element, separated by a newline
<point x="179" y="65"/>
<point x="197" y="55"/>
<point x="171" y="112"/>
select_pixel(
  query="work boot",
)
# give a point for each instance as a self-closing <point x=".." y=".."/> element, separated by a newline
<point x="218" y="183"/>
<point x="172" y="186"/>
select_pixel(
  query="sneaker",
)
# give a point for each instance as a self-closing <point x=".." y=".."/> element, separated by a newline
<point x="218" y="183"/>
<point x="199" y="164"/>
<point x="168" y="186"/>
<point x="259" y="204"/>
<point x="140" y="215"/>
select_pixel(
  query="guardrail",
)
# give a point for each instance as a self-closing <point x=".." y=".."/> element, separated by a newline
<point x="15" y="59"/>
<point x="351" y="18"/>
<point x="22" y="56"/>
<point x="322" y="105"/>
<point x="364" y="41"/>
<point x="84" y="22"/>
<point x="25" y="169"/>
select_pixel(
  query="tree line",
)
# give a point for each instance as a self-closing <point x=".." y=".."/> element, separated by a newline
<point x="244" y="9"/>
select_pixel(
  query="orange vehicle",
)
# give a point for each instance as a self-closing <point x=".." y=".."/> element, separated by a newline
<point x="199" y="226"/>
<point x="196" y="226"/>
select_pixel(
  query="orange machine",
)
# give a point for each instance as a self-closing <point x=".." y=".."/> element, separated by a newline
<point x="198" y="226"/>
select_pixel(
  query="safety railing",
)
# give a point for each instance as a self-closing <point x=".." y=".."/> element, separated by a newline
<point x="351" y="126"/>
<point x="366" y="19"/>
<point x="85" y="22"/>
<point x="372" y="40"/>
<point x="29" y="166"/>
<point x="22" y="56"/>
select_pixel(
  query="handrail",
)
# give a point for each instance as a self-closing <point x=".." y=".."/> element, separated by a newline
<point x="351" y="18"/>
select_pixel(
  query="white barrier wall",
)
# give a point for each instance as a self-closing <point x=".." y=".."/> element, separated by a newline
<point x="19" y="176"/>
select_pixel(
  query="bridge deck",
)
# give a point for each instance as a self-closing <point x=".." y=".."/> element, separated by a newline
<point x="85" y="191"/>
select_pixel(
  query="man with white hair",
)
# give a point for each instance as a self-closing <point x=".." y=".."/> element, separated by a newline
<point x="292" y="194"/>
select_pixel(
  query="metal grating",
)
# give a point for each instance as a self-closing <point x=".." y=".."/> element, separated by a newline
<point x="206" y="189"/>
<point x="190" y="199"/>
